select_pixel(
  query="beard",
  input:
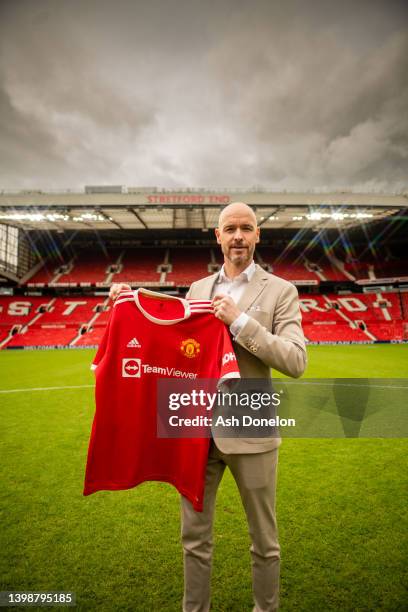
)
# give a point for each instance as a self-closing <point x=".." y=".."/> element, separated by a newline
<point x="244" y="255"/>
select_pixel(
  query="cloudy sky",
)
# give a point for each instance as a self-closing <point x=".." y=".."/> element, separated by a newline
<point x="296" y="95"/>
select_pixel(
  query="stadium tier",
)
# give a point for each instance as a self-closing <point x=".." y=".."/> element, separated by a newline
<point x="296" y="265"/>
<point x="325" y="264"/>
<point x="32" y="322"/>
<point x="80" y="321"/>
<point x="92" y="337"/>
<point x="336" y="332"/>
<point x="181" y="266"/>
<point x="140" y="266"/>
<point x="376" y="269"/>
<point x="87" y="269"/>
<point x="391" y="269"/>
<point x="15" y="310"/>
<point x="188" y="265"/>
<point x="289" y="267"/>
<point x="404" y="305"/>
<point x="46" y="274"/>
<point x="43" y="335"/>
<point x="371" y="307"/>
<point x="395" y="330"/>
<point x="136" y="266"/>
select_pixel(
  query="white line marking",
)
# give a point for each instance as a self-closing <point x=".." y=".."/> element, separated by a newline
<point x="290" y="382"/>
<point x="44" y="388"/>
<point x="392" y="387"/>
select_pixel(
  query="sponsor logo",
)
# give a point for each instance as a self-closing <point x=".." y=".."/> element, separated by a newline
<point x="134" y="343"/>
<point x="166" y="371"/>
<point x="134" y="368"/>
<point x="131" y="368"/>
<point x="227" y="357"/>
<point x="190" y="348"/>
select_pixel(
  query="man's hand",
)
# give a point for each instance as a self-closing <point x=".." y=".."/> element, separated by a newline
<point x="225" y="309"/>
<point x="117" y="288"/>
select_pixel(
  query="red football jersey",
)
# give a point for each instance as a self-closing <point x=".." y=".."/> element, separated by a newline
<point x="151" y="336"/>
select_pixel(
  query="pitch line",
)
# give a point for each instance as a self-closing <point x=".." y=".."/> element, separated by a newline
<point x="290" y="382"/>
<point x="44" y="388"/>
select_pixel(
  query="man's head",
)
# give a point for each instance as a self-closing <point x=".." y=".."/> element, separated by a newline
<point x="237" y="233"/>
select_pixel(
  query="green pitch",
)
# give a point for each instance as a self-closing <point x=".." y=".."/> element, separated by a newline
<point x="341" y="504"/>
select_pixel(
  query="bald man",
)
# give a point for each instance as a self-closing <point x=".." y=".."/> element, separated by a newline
<point x="262" y="313"/>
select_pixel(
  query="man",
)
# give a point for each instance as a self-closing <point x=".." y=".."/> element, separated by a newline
<point x="262" y="312"/>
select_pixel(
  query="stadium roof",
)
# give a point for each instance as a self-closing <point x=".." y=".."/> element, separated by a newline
<point x="118" y="207"/>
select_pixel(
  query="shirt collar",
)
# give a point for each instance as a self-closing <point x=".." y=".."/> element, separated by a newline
<point x="246" y="274"/>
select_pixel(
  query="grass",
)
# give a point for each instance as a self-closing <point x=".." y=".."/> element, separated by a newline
<point x="341" y="504"/>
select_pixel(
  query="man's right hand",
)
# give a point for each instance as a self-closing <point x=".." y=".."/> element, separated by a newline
<point x="117" y="288"/>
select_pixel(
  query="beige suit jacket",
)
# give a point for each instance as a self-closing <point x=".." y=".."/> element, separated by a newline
<point x="272" y="338"/>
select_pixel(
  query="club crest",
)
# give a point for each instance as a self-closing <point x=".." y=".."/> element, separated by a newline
<point x="190" y="348"/>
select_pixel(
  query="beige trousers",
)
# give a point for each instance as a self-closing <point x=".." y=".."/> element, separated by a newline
<point x="255" y="475"/>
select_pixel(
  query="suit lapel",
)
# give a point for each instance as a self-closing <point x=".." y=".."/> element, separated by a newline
<point x="255" y="286"/>
<point x="207" y="288"/>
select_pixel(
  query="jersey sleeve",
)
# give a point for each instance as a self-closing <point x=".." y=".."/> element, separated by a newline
<point x="103" y="345"/>
<point x="229" y="364"/>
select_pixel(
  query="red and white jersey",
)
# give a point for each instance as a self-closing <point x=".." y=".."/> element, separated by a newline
<point x="152" y="336"/>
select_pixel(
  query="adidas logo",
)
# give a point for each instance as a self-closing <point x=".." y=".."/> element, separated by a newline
<point x="134" y="343"/>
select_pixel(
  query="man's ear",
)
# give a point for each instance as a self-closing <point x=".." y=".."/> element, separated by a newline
<point x="217" y="234"/>
<point x="258" y="235"/>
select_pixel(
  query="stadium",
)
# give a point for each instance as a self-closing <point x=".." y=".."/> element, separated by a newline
<point x="60" y="253"/>
<point x="342" y="533"/>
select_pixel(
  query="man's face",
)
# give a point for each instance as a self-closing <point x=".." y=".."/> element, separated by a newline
<point x="238" y="235"/>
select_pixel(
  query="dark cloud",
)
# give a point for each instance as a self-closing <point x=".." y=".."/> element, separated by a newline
<point x="293" y="95"/>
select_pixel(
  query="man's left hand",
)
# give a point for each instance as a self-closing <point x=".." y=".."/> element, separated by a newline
<point x="225" y="309"/>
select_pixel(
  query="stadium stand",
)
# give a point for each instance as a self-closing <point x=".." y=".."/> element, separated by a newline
<point x="389" y="269"/>
<point x="91" y="337"/>
<point x="325" y="265"/>
<point x="345" y="252"/>
<point x="87" y="268"/>
<point x="336" y="332"/>
<point x="377" y="269"/>
<point x="289" y="266"/>
<point x="43" y="335"/>
<point x="182" y="266"/>
<point x="404" y="305"/>
<point x="188" y="265"/>
<point x="356" y="306"/>
<point x="296" y="265"/>
<point x="72" y="273"/>
<point x="388" y="331"/>
<point x="353" y="317"/>
<point x="56" y="322"/>
<point x="72" y="311"/>
<point x="80" y="321"/>
<point x="140" y="265"/>
<point x="20" y="310"/>
<point x="46" y="274"/>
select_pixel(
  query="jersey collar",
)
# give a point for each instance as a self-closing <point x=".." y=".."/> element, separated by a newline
<point x="153" y="319"/>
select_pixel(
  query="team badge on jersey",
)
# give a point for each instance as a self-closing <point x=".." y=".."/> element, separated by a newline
<point x="131" y="368"/>
<point x="190" y="348"/>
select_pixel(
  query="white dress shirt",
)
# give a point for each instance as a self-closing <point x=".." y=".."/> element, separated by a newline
<point x="235" y="288"/>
